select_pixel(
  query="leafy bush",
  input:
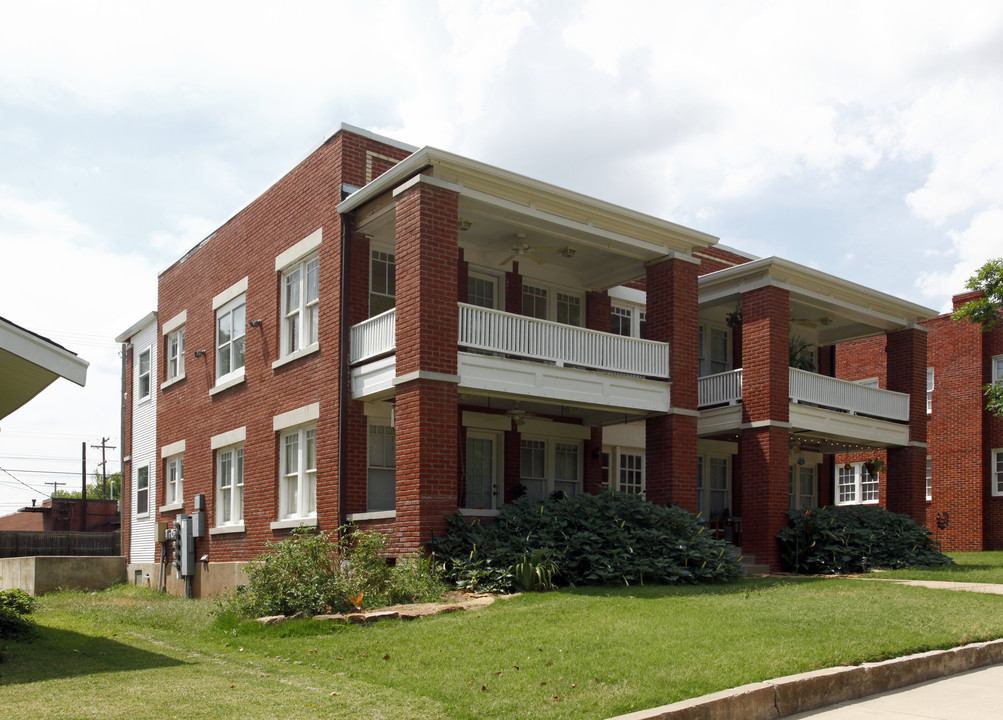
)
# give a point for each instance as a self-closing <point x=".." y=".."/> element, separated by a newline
<point x="14" y="605"/>
<point x="605" y="539"/>
<point x="313" y="573"/>
<point x="838" y="540"/>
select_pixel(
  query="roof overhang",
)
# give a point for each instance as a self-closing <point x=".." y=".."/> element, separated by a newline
<point x="837" y="310"/>
<point x="615" y="242"/>
<point x="150" y="317"/>
<point x="29" y="363"/>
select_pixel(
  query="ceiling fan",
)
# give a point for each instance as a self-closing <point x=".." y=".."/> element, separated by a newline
<point x="521" y="248"/>
<point x="519" y="416"/>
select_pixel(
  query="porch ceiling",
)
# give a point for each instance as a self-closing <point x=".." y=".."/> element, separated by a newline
<point x="824" y="308"/>
<point x="610" y="244"/>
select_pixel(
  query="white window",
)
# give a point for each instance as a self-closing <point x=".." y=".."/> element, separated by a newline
<point x="174" y="480"/>
<point x="713" y="486"/>
<point x="382" y="283"/>
<point x="868" y="382"/>
<point x="855" y="485"/>
<point x="996" y="470"/>
<point x="381" y="491"/>
<point x="929" y="389"/>
<point x="176" y="354"/>
<point x="483" y="470"/>
<point x="482" y="290"/>
<point x="230" y="486"/>
<point x="997" y="369"/>
<point x="713" y="349"/>
<point x="550" y="465"/>
<point x="300" y="305"/>
<point x="627" y="320"/>
<point x="143" y="374"/>
<point x="623" y="470"/>
<point x="929" y="478"/>
<point x="143" y="490"/>
<point x="298" y="479"/>
<point x="230" y="329"/>
<point x="801" y="490"/>
<point x="545" y="303"/>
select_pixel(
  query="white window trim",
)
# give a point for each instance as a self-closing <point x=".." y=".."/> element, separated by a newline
<point x="291" y="523"/>
<point x="703" y="480"/>
<point x="179" y="488"/>
<point x="236" y="512"/>
<point x="392" y="252"/>
<point x="929" y="479"/>
<point x="498" y="469"/>
<point x="550" y="461"/>
<point x="498" y="282"/>
<point x="302" y="309"/>
<point x="308" y="245"/>
<point x="149" y="486"/>
<point x="706" y="344"/>
<point x="858" y="490"/>
<point x="383" y="422"/>
<point x="140" y="397"/>
<point x="930" y="380"/>
<point x="996" y="368"/>
<point x="995" y="478"/>
<point x="636" y="314"/>
<point x="302" y="475"/>
<point x="615" y="452"/>
<point x="180" y="375"/>
<point x="552" y="292"/>
<point x="375" y="515"/>
<point x="235" y="375"/>
<point x="231" y="293"/>
<point x="296" y="355"/>
<point x="794" y="483"/>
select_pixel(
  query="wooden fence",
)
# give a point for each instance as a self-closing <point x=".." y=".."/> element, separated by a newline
<point x="23" y="543"/>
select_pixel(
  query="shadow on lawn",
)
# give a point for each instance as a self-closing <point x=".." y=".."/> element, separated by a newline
<point x="53" y="654"/>
<point x="655" y="592"/>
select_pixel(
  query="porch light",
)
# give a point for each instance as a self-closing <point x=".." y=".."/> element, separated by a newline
<point x="463" y="224"/>
<point x="825" y="320"/>
<point x="568" y="251"/>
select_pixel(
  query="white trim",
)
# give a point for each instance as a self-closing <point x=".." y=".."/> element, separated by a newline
<point x="167" y="383"/>
<point x="175" y="322"/>
<point x="150" y="317"/>
<point x="378" y="410"/>
<point x="226" y="529"/>
<point x="231" y="437"/>
<point x="559" y="431"/>
<point x="486" y="421"/>
<point x="226" y="384"/>
<point x="172" y="507"/>
<point x="299" y="416"/>
<point x="469" y="512"/>
<point x="764" y="423"/>
<point x="174" y="448"/>
<point x="232" y="292"/>
<point x="298" y="251"/>
<point x="425" y="375"/>
<point x="380" y="515"/>
<point x="426" y="180"/>
<point x="994" y="481"/>
<point x="629" y="295"/>
<point x="296" y="355"/>
<point x="293" y="523"/>
<point x="996" y="368"/>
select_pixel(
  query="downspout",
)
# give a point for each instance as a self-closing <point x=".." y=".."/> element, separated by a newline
<point x="345" y="391"/>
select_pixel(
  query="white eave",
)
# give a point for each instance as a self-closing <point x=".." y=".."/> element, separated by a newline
<point x="29" y="363"/>
<point x="487" y="184"/>
<point x="150" y="317"/>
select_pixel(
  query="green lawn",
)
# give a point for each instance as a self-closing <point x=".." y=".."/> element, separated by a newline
<point x="583" y="653"/>
<point x="978" y="567"/>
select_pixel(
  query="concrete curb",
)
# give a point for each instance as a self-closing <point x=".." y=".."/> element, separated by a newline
<point x="795" y="694"/>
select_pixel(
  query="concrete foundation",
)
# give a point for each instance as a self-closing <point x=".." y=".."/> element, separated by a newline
<point x="45" y="573"/>
<point x="210" y="578"/>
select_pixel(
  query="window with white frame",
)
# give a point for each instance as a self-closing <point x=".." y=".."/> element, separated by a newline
<point x="174" y="480"/>
<point x="549" y="465"/>
<point x="143" y="374"/>
<point x="713" y="349"/>
<point x="929" y="389"/>
<point x="482" y="290"/>
<point x="298" y="479"/>
<point x="801" y="490"/>
<point x="713" y="486"/>
<point x="300" y="304"/>
<point x="230" y="328"/>
<point x="623" y="470"/>
<point x="929" y="478"/>
<point x="997" y="368"/>
<point x="627" y="320"/>
<point x="546" y="303"/>
<point x="855" y="485"/>
<point x="230" y="486"/>
<point x="382" y="282"/>
<point x="143" y="490"/>
<point x="176" y="354"/>
<point x="381" y="493"/>
<point x="482" y="468"/>
<point x="996" y="470"/>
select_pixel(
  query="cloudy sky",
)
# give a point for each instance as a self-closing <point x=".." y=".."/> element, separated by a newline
<point x="860" y="138"/>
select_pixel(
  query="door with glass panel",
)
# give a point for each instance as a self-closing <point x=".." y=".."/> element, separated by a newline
<point x="482" y="470"/>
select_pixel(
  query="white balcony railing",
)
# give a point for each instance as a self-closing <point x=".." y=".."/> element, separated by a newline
<point x="373" y="337"/>
<point x="520" y="336"/>
<point x="720" y="389"/>
<point x="517" y="336"/>
<point x="810" y="388"/>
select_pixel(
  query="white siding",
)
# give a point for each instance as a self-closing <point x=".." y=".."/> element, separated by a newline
<point x="144" y="447"/>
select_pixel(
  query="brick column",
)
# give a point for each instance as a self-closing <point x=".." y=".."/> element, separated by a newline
<point x="671" y="440"/>
<point x="597" y="311"/>
<point x="905" y="479"/>
<point x="765" y="439"/>
<point x="426" y="423"/>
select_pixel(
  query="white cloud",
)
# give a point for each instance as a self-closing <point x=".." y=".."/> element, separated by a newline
<point x="982" y="240"/>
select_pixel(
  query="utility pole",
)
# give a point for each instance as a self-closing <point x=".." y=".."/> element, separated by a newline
<point x="104" y="475"/>
<point x="54" y="484"/>
<point x="83" y="485"/>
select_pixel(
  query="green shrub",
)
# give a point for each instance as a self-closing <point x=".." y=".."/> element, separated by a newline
<point x="839" y="540"/>
<point x="605" y="539"/>
<point x="313" y="573"/>
<point x="14" y="605"/>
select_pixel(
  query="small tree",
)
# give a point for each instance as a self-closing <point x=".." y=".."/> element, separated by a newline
<point x="986" y="311"/>
<point x="96" y="489"/>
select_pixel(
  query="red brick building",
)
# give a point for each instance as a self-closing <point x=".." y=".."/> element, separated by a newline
<point x="390" y="335"/>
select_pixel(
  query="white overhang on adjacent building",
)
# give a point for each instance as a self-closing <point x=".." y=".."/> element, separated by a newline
<point x="29" y="363"/>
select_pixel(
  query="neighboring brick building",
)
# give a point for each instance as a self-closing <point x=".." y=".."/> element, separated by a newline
<point x="962" y="501"/>
<point x="388" y="336"/>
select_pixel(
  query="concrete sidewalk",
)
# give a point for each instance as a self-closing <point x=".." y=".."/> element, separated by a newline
<point x="974" y="695"/>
